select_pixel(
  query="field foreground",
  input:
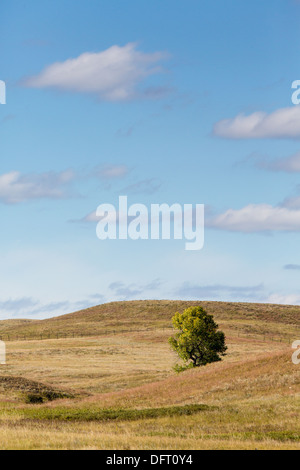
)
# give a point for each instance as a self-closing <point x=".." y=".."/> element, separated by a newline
<point x="102" y="379"/>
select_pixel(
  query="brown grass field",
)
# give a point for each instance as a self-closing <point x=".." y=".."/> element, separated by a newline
<point x="102" y="378"/>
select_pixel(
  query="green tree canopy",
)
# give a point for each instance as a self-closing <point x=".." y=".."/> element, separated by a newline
<point x="198" y="341"/>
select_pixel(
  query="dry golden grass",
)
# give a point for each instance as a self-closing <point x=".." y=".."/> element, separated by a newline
<point x="241" y="318"/>
<point x="253" y="395"/>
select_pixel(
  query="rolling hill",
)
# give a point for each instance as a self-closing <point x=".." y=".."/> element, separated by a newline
<point x="102" y="378"/>
<point x="262" y="319"/>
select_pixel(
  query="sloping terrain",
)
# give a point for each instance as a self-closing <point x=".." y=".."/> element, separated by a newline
<point x="118" y="389"/>
<point x="260" y="319"/>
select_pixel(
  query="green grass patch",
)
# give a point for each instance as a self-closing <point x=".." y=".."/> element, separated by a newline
<point x="89" y="414"/>
<point x="44" y="396"/>
<point x="281" y="436"/>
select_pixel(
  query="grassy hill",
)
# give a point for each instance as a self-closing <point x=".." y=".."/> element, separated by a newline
<point x="262" y="319"/>
<point x="105" y="377"/>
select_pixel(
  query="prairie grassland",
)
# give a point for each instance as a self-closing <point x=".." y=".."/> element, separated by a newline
<point x="126" y="395"/>
<point x="118" y="317"/>
<point x="271" y="423"/>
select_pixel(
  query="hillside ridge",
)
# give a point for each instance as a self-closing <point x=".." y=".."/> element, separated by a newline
<point x="128" y="316"/>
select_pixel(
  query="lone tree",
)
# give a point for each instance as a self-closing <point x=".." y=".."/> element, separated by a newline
<point x="198" y="342"/>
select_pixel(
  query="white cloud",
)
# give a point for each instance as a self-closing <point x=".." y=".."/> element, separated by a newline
<point x="289" y="164"/>
<point x="283" y="299"/>
<point x="110" y="172"/>
<point x="257" y="218"/>
<point x="92" y="217"/>
<point x="148" y="186"/>
<point x="128" y="291"/>
<point x="216" y="291"/>
<point x="292" y="267"/>
<point x="28" y="307"/>
<point x="292" y="203"/>
<point x="282" y="123"/>
<point x="16" y="188"/>
<point x="112" y="75"/>
<point x="17" y="305"/>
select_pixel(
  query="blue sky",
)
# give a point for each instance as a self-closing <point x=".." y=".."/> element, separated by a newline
<point x="186" y="102"/>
